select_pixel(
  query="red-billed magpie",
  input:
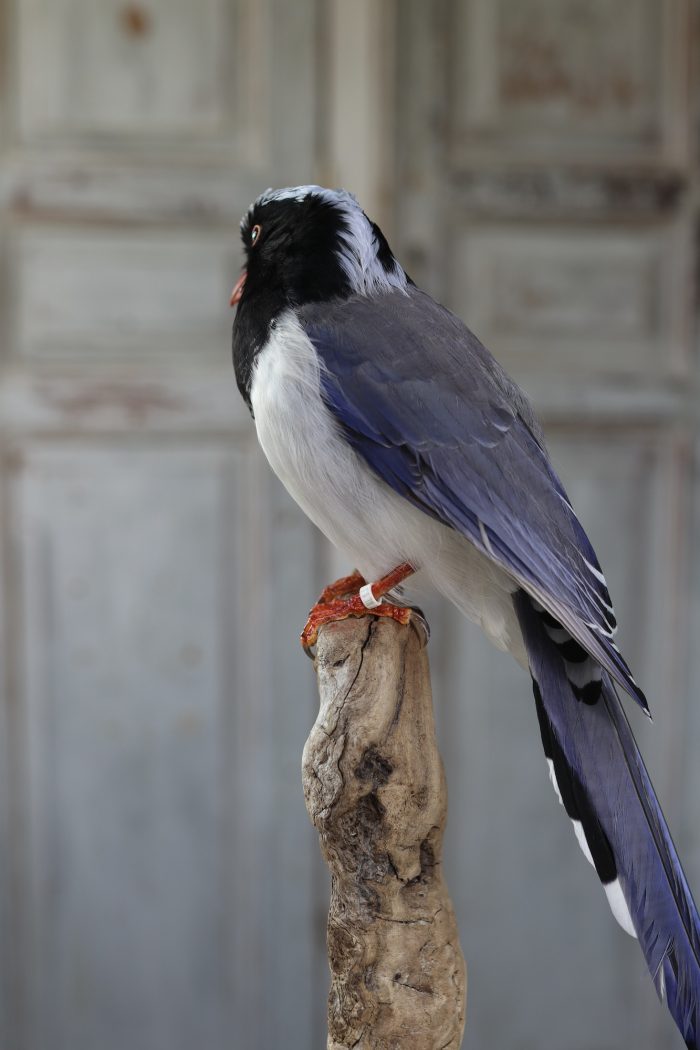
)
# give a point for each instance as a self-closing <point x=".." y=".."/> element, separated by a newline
<point x="413" y="451"/>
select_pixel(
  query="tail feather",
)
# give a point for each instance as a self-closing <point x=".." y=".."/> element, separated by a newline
<point x="606" y="791"/>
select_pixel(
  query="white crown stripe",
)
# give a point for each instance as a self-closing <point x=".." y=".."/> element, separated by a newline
<point x="358" y="249"/>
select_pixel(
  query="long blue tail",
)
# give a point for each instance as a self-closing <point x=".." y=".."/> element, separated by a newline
<point x="602" y="781"/>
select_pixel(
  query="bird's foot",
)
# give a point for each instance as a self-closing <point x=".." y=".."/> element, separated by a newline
<point x="369" y="602"/>
<point x="345" y="585"/>
<point x="342" y="609"/>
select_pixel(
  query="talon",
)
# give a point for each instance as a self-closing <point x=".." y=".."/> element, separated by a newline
<point x="330" y="607"/>
<point x="343" y="609"/>
<point x="345" y="585"/>
<point x="419" y="618"/>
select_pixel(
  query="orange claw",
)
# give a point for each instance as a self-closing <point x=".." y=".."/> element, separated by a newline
<point x="345" y="585"/>
<point x="331" y="606"/>
<point x="342" y="609"/>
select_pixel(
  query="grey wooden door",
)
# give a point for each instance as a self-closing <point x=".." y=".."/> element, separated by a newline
<point x="157" y="875"/>
<point x="535" y="162"/>
<point x="548" y="152"/>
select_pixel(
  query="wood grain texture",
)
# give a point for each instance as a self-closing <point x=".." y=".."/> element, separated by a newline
<point x="375" y="790"/>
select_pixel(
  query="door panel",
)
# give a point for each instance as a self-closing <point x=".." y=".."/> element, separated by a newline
<point x="127" y="687"/>
<point x="597" y="299"/>
<point x="563" y="81"/>
<point x="98" y="294"/>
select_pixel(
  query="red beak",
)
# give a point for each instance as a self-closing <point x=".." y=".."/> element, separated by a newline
<point x="238" y="289"/>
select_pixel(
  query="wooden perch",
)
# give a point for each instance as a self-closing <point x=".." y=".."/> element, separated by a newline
<point x="375" y="790"/>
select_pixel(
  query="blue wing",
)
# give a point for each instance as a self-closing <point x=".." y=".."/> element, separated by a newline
<point x="434" y="415"/>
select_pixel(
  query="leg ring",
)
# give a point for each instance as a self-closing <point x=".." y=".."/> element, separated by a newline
<point x="367" y="598"/>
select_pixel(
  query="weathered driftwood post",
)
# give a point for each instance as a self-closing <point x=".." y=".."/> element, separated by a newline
<point x="375" y="790"/>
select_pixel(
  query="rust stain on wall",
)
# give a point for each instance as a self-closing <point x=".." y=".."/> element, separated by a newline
<point x="136" y="20"/>
<point x="137" y="402"/>
<point x="538" y="72"/>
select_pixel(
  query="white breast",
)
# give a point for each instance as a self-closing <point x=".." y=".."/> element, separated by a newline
<point x="375" y="527"/>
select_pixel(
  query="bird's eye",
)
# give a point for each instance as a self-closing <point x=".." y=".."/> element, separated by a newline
<point x="254" y="235"/>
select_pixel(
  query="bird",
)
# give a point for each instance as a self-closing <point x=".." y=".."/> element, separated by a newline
<point x="412" y="450"/>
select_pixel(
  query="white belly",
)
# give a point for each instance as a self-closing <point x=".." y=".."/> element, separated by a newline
<point x="375" y="527"/>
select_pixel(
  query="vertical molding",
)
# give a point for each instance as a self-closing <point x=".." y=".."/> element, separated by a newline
<point x="360" y="139"/>
<point x="691" y="629"/>
<point x="4" y="75"/>
<point x="423" y="176"/>
<point x="677" y="99"/>
<point x="691" y="771"/>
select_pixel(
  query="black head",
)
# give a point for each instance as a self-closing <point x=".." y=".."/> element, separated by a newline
<point x="304" y="244"/>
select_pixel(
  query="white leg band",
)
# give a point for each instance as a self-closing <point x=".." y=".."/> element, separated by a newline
<point x="367" y="598"/>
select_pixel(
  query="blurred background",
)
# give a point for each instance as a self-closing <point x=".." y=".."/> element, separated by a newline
<point x="535" y="165"/>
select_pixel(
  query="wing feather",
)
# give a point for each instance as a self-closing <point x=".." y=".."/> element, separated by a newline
<point x="434" y="415"/>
